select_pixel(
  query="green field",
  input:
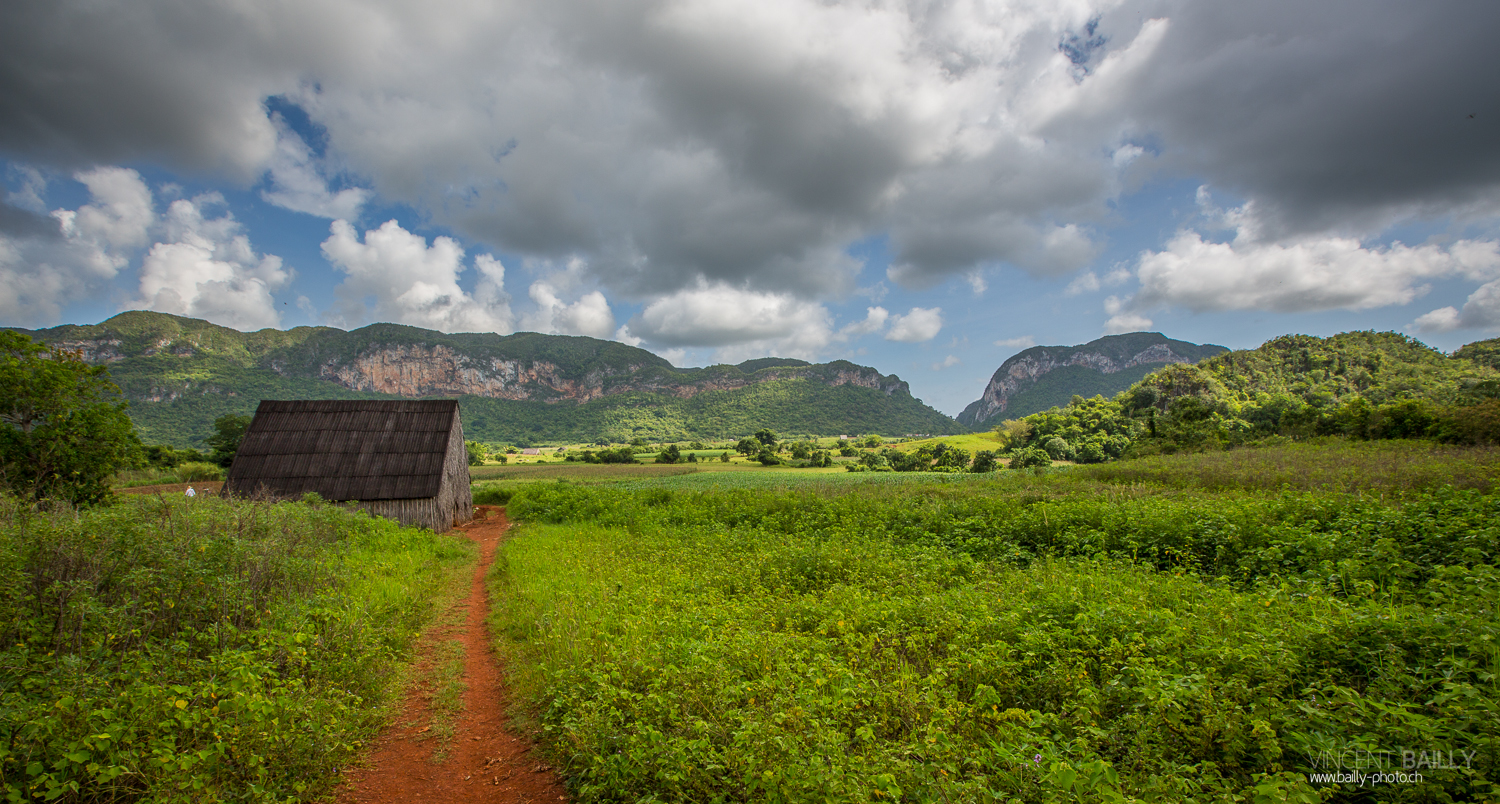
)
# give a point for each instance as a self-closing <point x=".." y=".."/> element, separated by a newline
<point x="1168" y="630"/>
<point x="973" y="442"/>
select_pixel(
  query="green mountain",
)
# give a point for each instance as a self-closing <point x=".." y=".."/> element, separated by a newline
<point x="1362" y="385"/>
<point x="1044" y="377"/>
<point x="179" y="374"/>
<point x="1378" y="367"/>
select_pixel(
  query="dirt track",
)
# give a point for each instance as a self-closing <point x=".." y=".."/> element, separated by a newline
<point x="486" y="761"/>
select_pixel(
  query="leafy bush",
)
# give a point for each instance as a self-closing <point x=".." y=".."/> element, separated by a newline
<point x="197" y="472"/>
<point x="1058" y="448"/>
<point x="1030" y="457"/>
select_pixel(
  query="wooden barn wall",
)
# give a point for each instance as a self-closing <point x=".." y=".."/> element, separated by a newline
<point x="454" y="494"/>
<point x="423" y="512"/>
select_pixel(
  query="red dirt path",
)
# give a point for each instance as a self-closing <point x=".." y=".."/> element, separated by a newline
<point x="487" y="762"/>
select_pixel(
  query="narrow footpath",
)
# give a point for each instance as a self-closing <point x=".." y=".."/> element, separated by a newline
<point x="484" y="761"/>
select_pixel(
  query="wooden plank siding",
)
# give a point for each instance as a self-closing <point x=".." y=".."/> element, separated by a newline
<point x="403" y="459"/>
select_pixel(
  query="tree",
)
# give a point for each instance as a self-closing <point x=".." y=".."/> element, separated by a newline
<point x="229" y="431"/>
<point x="766" y="437"/>
<point x="984" y="461"/>
<point x="1030" y="457"/>
<point x="63" y="431"/>
<point x="747" y="447"/>
<point x="669" y="454"/>
<point x="476" y="452"/>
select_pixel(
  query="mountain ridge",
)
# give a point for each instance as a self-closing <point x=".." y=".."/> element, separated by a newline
<point x="204" y="370"/>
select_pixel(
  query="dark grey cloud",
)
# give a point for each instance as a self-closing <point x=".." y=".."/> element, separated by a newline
<point x="22" y="223"/>
<point x="1329" y="114"/>
<point x="670" y="146"/>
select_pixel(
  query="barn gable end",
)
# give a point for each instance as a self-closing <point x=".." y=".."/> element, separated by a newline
<point x="402" y="459"/>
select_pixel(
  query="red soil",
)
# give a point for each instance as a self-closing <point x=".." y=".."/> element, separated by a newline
<point x="486" y="760"/>
<point x="207" y="488"/>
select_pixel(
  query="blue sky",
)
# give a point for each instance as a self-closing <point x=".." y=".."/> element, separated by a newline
<point x="923" y="188"/>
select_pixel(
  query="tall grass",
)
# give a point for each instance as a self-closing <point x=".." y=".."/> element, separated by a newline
<point x="191" y="650"/>
<point x="986" y="641"/>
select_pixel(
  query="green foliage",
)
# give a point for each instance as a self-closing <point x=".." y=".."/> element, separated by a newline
<point x="669" y="454"/>
<point x="197" y="650"/>
<point x="984" y="461"/>
<point x="229" y="431"/>
<point x="476" y="452"/>
<point x="62" y="431"/>
<point x="1361" y="385"/>
<point x="163" y="456"/>
<point x="1030" y="457"/>
<point x="1484" y="353"/>
<point x="1031" y="639"/>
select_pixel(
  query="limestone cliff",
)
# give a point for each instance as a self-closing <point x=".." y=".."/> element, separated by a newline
<point x="1050" y="375"/>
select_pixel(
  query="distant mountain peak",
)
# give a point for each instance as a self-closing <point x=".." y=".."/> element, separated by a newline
<point x="1042" y="377"/>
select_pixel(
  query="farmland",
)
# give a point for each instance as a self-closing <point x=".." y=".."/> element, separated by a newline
<point x="1169" y="629"/>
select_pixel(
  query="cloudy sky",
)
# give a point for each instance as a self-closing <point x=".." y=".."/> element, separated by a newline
<point x="925" y="187"/>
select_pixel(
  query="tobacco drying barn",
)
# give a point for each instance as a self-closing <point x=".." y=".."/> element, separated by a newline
<point x="402" y="459"/>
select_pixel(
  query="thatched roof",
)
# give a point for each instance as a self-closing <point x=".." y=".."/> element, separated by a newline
<point x="345" y="450"/>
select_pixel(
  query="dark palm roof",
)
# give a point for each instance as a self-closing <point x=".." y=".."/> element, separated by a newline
<point x="345" y="450"/>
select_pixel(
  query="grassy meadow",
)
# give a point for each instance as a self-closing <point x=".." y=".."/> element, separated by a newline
<point x="170" y="649"/>
<point x="1215" y="627"/>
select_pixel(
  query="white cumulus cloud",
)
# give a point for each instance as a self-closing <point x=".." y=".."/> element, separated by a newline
<point x="741" y="323"/>
<point x="205" y="268"/>
<point x="919" y="324"/>
<point x="1314" y="274"/>
<point x="47" y="262"/>
<point x="393" y="275"/>
<point x="298" y="183"/>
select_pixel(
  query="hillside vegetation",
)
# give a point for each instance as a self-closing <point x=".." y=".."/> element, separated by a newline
<point x="1360" y="385"/>
<point x="181" y="374"/>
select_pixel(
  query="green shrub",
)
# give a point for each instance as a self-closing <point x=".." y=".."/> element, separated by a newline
<point x="196" y="472"/>
<point x="1029" y="457"/>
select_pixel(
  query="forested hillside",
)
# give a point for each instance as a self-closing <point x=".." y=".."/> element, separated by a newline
<point x="179" y="374"/>
<point x="1363" y="385"/>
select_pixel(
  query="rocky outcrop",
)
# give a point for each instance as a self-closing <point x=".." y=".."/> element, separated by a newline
<point x="1108" y="355"/>
<point x="95" y="352"/>
<point x="417" y="370"/>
